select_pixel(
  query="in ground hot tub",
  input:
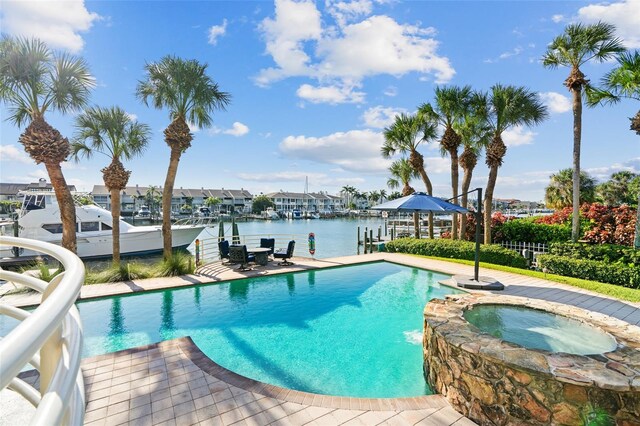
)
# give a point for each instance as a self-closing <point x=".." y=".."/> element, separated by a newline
<point x="536" y="329"/>
<point x="509" y="360"/>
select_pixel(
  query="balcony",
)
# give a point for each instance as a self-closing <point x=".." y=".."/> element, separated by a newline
<point x="48" y="338"/>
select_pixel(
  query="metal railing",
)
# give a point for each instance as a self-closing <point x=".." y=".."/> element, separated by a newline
<point x="521" y="246"/>
<point x="49" y="338"/>
<point x="208" y="247"/>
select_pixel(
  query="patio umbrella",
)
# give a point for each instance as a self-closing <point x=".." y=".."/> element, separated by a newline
<point x="420" y="202"/>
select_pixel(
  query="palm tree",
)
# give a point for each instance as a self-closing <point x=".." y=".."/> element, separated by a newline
<point x="348" y="191"/>
<point x="33" y="81"/>
<point x="153" y="197"/>
<point x="509" y="106"/>
<point x="475" y="134"/>
<point x="212" y="202"/>
<point x="623" y="82"/>
<point x="402" y="173"/>
<point x="451" y="105"/>
<point x="404" y="136"/>
<point x="559" y="193"/>
<point x="578" y="45"/>
<point x="113" y="133"/>
<point x="191" y="96"/>
<point x="383" y="195"/>
<point x="621" y="188"/>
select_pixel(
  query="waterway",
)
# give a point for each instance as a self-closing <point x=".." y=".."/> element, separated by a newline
<point x="334" y="237"/>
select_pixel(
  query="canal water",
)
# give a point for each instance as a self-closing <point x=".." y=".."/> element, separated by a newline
<point x="334" y="237"/>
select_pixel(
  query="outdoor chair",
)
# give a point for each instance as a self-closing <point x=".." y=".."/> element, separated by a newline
<point x="239" y="254"/>
<point x="223" y="248"/>
<point x="269" y="243"/>
<point x="285" y="255"/>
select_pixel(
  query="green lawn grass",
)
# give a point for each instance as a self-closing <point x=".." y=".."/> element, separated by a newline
<point x="619" y="292"/>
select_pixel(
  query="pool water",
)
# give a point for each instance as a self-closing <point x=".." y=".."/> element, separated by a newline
<point x="349" y="331"/>
<point x="537" y="329"/>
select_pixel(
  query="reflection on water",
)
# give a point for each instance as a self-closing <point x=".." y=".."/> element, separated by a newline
<point x="196" y="296"/>
<point x="312" y="279"/>
<point x="291" y="284"/>
<point x="167" y="325"/>
<point x="238" y="290"/>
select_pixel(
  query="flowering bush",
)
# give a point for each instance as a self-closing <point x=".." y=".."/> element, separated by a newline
<point x="610" y="225"/>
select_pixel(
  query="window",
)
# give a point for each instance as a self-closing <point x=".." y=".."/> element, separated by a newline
<point x="54" y="228"/>
<point x="90" y="226"/>
<point x="105" y="227"/>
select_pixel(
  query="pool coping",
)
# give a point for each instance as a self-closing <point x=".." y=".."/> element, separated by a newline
<point x="192" y="352"/>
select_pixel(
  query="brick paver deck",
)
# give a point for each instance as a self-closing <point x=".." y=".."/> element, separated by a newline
<point x="172" y="382"/>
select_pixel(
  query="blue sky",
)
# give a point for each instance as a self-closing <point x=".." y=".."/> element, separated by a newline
<point x="314" y="83"/>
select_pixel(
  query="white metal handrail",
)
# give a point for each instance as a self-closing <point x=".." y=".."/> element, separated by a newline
<point x="49" y="338"/>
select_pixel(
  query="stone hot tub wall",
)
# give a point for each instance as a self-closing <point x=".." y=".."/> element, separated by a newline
<point x="499" y="383"/>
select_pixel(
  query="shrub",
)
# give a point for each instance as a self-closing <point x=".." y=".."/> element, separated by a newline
<point x="612" y="225"/>
<point x="528" y="231"/>
<point x="497" y="220"/>
<point x="177" y="264"/>
<point x="125" y="272"/>
<point x="595" y="270"/>
<point x="457" y="249"/>
<point x="43" y="271"/>
<point x="606" y="252"/>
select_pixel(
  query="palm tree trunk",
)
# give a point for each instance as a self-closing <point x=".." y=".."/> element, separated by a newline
<point x="115" y="225"/>
<point x="454" y="186"/>
<point x="429" y="186"/>
<point x="416" y="224"/>
<point x="65" y="204"/>
<point x="577" y="135"/>
<point x="466" y="183"/>
<point x="167" y="194"/>
<point x="488" y="203"/>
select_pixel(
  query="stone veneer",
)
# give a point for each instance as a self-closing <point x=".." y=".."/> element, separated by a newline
<point x="494" y="382"/>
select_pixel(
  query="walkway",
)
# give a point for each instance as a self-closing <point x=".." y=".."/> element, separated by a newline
<point x="173" y="383"/>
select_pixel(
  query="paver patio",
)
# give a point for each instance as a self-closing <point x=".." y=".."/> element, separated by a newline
<point x="172" y="382"/>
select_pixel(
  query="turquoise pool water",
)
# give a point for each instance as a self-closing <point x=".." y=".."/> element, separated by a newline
<point x="349" y="331"/>
<point x="537" y="329"/>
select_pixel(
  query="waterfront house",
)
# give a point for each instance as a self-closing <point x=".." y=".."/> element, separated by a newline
<point x="313" y="202"/>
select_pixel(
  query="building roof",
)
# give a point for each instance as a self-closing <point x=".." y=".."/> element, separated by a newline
<point x="14" y="188"/>
<point x="140" y="191"/>
<point x="302" y="195"/>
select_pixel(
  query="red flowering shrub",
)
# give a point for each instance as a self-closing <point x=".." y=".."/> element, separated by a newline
<point x="560" y="217"/>
<point x="610" y="225"/>
<point x="497" y="220"/>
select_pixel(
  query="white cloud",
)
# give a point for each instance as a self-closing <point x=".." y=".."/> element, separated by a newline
<point x="391" y="91"/>
<point x="518" y="136"/>
<point x="193" y="128"/>
<point x="217" y="31"/>
<point x="380" y="117"/>
<point x="556" y="102"/>
<point x="58" y="23"/>
<point x="505" y="55"/>
<point x="603" y="173"/>
<point x="12" y="153"/>
<point x="237" y="129"/>
<point x="355" y="150"/>
<point x="557" y="18"/>
<point x="132" y="117"/>
<point x="625" y="15"/>
<point x="320" y="179"/>
<point x="330" y="94"/>
<point x="341" y="57"/>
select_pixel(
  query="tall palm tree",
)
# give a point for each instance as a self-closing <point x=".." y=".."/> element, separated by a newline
<point x="383" y="195"/>
<point x="33" y="81"/>
<point x="113" y="133"/>
<point x="559" y="193"/>
<point x="622" y="82"/>
<point x="475" y="134"/>
<point x="153" y="197"/>
<point x="404" y="136"/>
<point x="451" y="104"/>
<point x="183" y="87"/>
<point x="578" y="45"/>
<point x="402" y="173"/>
<point x="348" y="191"/>
<point x="509" y="106"/>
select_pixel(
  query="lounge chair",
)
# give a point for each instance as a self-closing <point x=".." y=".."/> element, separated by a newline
<point x="269" y="243"/>
<point x="285" y="255"/>
<point x="239" y="254"/>
<point x="223" y="248"/>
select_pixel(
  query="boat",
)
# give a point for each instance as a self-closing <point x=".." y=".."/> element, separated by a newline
<point x="271" y="214"/>
<point x="144" y="212"/>
<point x="203" y="212"/>
<point x="39" y="219"/>
<point x="294" y="214"/>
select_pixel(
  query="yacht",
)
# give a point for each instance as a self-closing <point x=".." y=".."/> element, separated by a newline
<point x="144" y="212"/>
<point x="39" y="219"/>
<point x="270" y="213"/>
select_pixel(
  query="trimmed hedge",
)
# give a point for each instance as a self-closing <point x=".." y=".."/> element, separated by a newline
<point x="527" y="231"/>
<point x="595" y="270"/>
<point x="457" y="249"/>
<point x="606" y="252"/>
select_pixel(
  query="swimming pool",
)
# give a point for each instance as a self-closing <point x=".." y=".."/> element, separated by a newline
<point x="349" y="331"/>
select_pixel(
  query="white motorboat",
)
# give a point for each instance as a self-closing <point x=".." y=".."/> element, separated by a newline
<point x="271" y="214"/>
<point x="39" y="219"/>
